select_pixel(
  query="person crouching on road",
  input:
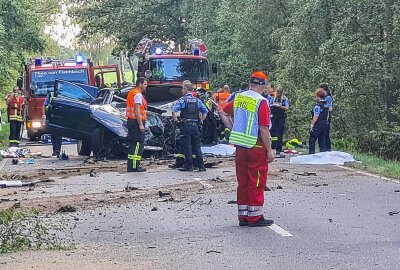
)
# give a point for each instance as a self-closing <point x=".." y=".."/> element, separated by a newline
<point x="250" y="134"/>
<point x="319" y="123"/>
<point x="193" y="113"/>
<point x="15" y="104"/>
<point x="136" y="114"/>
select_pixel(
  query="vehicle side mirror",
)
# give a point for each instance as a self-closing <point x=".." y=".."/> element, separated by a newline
<point x="148" y="74"/>
<point x="20" y="82"/>
<point x="214" y="68"/>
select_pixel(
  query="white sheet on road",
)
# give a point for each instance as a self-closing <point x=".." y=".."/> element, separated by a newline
<point x="219" y="150"/>
<point x="324" y="158"/>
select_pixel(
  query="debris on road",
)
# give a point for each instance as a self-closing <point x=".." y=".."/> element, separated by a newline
<point x="67" y="209"/>
<point x="232" y="202"/>
<point x="163" y="193"/>
<point x="63" y="156"/>
<point x="284" y="170"/>
<point x="15" y="152"/>
<point x="397" y="190"/>
<point x="306" y="174"/>
<point x="394" y="213"/>
<point x="266" y="188"/>
<point x="20" y="161"/>
<point x="93" y="173"/>
<point x="13" y="183"/>
<point x="330" y="220"/>
<point x="129" y="188"/>
<point x="154" y="209"/>
<point x="213" y="251"/>
<point x="279" y="187"/>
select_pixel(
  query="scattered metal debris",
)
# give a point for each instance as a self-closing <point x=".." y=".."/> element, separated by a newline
<point x="129" y="188"/>
<point x="163" y="193"/>
<point x="397" y="190"/>
<point x="330" y="220"/>
<point x="67" y="209"/>
<point x="213" y="251"/>
<point x="266" y="188"/>
<point x="279" y="187"/>
<point x="284" y="170"/>
<point x="307" y="174"/>
<point x="394" y="213"/>
<point x="232" y="202"/>
<point x="154" y="209"/>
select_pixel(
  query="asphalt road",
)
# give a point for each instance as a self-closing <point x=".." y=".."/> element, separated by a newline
<point x="338" y="219"/>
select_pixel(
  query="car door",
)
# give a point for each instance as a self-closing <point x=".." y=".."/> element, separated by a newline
<point x="70" y="110"/>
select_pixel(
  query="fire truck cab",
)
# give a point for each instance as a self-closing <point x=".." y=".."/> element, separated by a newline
<point x="166" y="68"/>
<point x="39" y="78"/>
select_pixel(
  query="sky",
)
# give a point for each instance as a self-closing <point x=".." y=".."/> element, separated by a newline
<point x="63" y="31"/>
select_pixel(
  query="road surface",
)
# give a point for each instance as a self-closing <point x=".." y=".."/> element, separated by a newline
<point x="338" y="219"/>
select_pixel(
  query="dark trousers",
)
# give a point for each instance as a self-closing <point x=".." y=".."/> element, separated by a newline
<point x="15" y="133"/>
<point x="136" y="145"/>
<point x="56" y="142"/>
<point x="180" y="155"/>
<point x="318" y="133"/>
<point x="277" y="130"/>
<point x="328" y="144"/>
<point x="191" y="144"/>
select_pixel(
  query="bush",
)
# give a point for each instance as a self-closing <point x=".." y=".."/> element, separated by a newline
<point x="385" y="144"/>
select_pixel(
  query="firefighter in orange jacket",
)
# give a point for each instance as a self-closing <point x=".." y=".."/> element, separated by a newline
<point x="250" y="135"/>
<point x="221" y="97"/>
<point x="136" y="114"/>
<point x="14" y="103"/>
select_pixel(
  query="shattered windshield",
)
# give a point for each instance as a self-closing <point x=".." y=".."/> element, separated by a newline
<point x="43" y="81"/>
<point x="195" y="70"/>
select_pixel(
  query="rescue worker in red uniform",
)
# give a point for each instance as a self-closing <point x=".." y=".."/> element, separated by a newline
<point x="14" y="103"/>
<point x="137" y="115"/>
<point x="250" y="134"/>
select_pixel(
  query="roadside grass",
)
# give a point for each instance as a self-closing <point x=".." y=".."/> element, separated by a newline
<point x="112" y="77"/>
<point x="374" y="164"/>
<point x="4" y="133"/>
<point x="28" y="230"/>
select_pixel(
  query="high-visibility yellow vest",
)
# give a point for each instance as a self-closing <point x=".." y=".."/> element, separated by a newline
<point x="245" y="126"/>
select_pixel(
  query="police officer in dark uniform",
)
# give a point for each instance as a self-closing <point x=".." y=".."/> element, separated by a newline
<point x="192" y="114"/>
<point x="279" y="106"/>
<point x="319" y="123"/>
<point x="56" y="140"/>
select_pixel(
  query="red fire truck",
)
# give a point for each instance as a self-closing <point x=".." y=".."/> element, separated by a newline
<point x="38" y="80"/>
<point x="166" y="69"/>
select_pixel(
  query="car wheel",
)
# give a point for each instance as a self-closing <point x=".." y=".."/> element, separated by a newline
<point x="84" y="148"/>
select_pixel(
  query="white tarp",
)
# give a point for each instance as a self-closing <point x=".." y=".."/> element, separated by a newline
<point x="219" y="150"/>
<point x="324" y="158"/>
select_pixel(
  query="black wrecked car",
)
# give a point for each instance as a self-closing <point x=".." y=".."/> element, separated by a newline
<point x="97" y="119"/>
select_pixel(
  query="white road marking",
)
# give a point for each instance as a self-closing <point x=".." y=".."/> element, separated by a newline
<point x="279" y="230"/>
<point x="369" y="174"/>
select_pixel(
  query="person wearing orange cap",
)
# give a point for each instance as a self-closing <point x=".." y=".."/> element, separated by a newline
<point x="250" y="134"/>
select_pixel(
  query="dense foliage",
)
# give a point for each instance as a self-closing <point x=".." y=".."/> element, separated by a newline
<point x="19" y="33"/>
<point x="351" y="45"/>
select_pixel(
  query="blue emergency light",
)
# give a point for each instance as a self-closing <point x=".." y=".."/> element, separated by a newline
<point x="38" y="62"/>
<point x="196" y="51"/>
<point x="79" y="59"/>
<point x="159" y="50"/>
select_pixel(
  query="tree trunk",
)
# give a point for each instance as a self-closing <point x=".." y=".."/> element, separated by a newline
<point x="132" y="67"/>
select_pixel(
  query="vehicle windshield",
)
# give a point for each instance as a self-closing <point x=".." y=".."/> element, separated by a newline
<point x="43" y="81"/>
<point x="195" y="70"/>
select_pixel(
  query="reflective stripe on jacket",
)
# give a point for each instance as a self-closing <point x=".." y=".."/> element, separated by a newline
<point x="130" y="108"/>
<point x="245" y="125"/>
